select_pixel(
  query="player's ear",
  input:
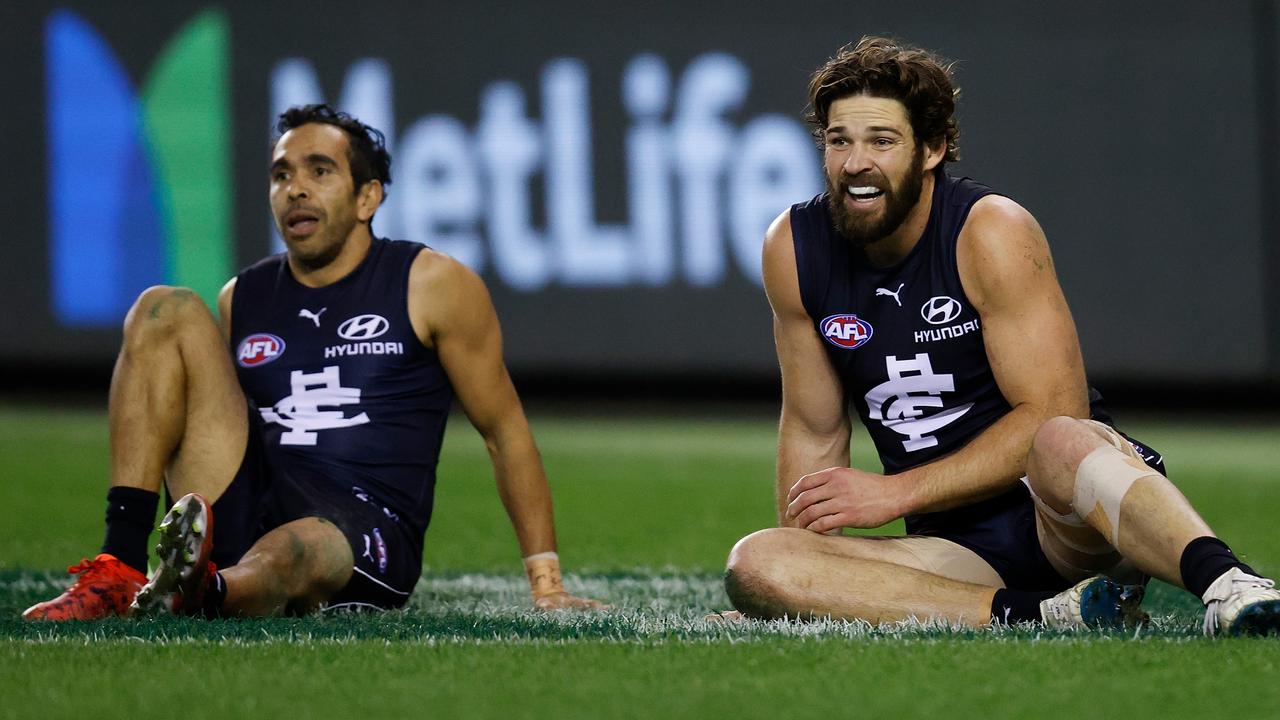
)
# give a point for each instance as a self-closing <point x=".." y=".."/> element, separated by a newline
<point x="934" y="152"/>
<point x="368" y="200"/>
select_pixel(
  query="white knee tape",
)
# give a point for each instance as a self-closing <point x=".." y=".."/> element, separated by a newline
<point x="1102" y="480"/>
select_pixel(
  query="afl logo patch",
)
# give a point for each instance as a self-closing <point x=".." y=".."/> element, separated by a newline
<point x="940" y="310"/>
<point x="846" y="331"/>
<point x="259" y="349"/>
<point x="363" y="327"/>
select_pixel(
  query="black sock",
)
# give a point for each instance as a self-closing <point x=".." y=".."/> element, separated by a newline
<point x="213" y="596"/>
<point x="1204" y="560"/>
<point x="131" y="514"/>
<point x="1015" y="606"/>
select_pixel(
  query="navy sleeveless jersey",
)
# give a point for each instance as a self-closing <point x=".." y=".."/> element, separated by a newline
<point x="904" y="340"/>
<point x="346" y="392"/>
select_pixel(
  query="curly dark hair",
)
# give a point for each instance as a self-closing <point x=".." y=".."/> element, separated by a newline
<point x="366" y="147"/>
<point x="881" y="67"/>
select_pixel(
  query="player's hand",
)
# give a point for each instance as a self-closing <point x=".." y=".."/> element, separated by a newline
<point x="842" y="497"/>
<point x="728" y="616"/>
<point x="565" y="601"/>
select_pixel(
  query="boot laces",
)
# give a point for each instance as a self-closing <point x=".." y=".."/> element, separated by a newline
<point x="1240" y="583"/>
<point x="91" y="569"/>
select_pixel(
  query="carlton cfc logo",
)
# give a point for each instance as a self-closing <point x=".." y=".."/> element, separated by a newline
<point x="846" y="331"/>
<point x="259" y="349"/>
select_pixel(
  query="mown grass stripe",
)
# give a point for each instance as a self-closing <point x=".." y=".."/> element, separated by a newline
<point x="477" y="607"/>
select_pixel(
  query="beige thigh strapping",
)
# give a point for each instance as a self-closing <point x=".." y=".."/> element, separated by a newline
<point x="947" y="559"/>
<point x="1102" y="480"/>
<point x="1074" y="547"/>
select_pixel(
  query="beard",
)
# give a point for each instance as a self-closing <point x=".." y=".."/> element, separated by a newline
<point x="862" y="229"/>
<point x="319" y="255"/>
<point x="319" y="250"/>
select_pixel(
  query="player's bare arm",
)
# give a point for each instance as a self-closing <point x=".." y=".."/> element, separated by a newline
<point x="896" y="231"/>
<point x="451" y="311"/>
<point x="1031" y="343"/>
<point x="813" y="432"/>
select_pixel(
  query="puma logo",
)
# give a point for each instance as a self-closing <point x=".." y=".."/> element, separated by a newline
<point x="367" y="549"/>
<point x="314" y="317"/>
<point x="892" y="293"/>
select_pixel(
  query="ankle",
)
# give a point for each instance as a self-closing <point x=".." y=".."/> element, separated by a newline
<point x="131" y="515"/>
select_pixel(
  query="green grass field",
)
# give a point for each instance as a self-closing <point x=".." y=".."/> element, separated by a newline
<point x="647" y="509"/>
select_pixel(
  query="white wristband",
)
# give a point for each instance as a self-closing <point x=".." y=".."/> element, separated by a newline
<point x="543" y="571"/>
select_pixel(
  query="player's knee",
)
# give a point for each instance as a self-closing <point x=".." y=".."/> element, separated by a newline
<point x="753" y="575"/>
<point x="321" y="560"/>
<point x="160" y="311"/>
<point x="1056" y="450"/>
<point x="1057" y="436"/>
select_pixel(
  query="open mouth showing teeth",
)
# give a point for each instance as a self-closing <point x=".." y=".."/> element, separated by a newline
<point x="865" y="192"/>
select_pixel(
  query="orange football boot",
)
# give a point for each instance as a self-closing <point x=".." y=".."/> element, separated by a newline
<point x="106" y="587"/>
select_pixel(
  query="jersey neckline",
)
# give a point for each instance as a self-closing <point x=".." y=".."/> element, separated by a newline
<point x="939" y="180"/>
<point x="375" y="247"/>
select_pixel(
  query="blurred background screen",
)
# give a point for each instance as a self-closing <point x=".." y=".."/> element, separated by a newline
<point x="610" y="170"/>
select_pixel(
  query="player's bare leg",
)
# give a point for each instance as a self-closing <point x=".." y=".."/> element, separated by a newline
<point x="175" y="407"/>
<point x="800" y="574"/>
<point x="1079" y="471"/>
<point x="1155" y="521"/>
<point x="175" y="412"/>
<point x="294" y="568"/>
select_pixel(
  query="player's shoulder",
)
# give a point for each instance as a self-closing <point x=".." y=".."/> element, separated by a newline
<point x="442" y="288"/>
<point x="1001" y="246"/>
<point x="779" y="235"/>
<point x="228" y="289"/>
<point x="434" y="271"/>
<point x="269" y="265"/>
<point x="779" y="253"/>
<point x="778" y="266"/>
<point x="993" y="217"/>
<point x="444" y="294"/>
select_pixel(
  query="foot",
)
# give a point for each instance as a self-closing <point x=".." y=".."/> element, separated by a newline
<point x="186" y="539"/>
<point x="1238" y="603"/>
<point x="1098" y="602"/>
<point x="105" y="588"/>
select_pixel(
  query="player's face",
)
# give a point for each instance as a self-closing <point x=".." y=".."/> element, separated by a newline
<point x="313" y="196"/>
<point x="874" y="166"/>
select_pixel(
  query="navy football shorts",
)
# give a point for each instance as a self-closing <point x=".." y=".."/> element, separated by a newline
<point x="268" y="492"/>
<point x="1002" y="531"/>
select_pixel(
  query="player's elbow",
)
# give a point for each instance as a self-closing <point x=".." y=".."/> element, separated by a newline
<point x="511" y="446"/>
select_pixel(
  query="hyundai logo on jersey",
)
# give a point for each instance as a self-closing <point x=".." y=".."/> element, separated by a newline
<point x="363" y="327"/>
<point x="846" y="331"/>
<point x="940" y="310"/>
<point x="259" y="349"/>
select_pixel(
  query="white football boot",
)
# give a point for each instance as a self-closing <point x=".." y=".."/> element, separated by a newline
<point x="1096" y="602"/>
<point x="1238" y="603"/>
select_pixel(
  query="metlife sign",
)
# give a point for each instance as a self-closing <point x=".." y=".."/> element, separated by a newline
<point x="610" y="171"/>
<point x="700" y="189"/>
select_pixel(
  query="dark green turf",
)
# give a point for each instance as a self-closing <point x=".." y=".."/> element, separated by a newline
<point x="647" y="510"/>
<point x="984" y="679"/>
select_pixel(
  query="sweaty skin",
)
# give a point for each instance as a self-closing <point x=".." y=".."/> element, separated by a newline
<point x="1030" y="339"/>
<point x="324" y="221"/>
<point x="1006" y="272"/>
